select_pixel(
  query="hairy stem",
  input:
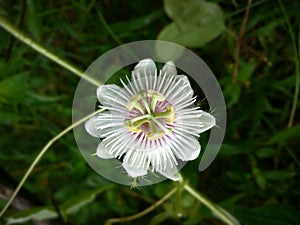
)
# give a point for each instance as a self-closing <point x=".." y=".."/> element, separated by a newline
<point x="40" y="155"/>
<point x="39" y="48"/>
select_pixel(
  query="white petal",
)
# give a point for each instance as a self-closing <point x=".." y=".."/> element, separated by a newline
<point x="102" y="152"/>
<point x="171" y="173"/>
<point x="180" y="92"/>
<point x="164" y="81"/>
<point x="169" y="69"/>
<point x="103" y="123"/>
<point x="208" y="121"/>
<point x="163" y="161"/>
<point x="166" y="78"/>
<point x="133" y="171"/>
<point x="119" y="142"/>
<point x="144" y="75"/>
<point x="112" y="95"/>
<point x="194" y="121"/>
<point x="185" y="146"/>
<point x="145" y="67"/>
<point x="90" y="127"/>
<point x="136" y="163"/>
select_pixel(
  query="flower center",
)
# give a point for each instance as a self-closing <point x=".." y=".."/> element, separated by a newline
<point x="150" y="119"/>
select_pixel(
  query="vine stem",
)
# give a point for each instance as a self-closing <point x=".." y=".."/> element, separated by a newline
<point x="238" y="43"/>
<point x="40" y="155"/>
<point x="144" y="212"/>
<point x="225" y="217"/>
<point x="297" y="56"/>
<point x="39" y="48"/>
<point x="208" y="203"/>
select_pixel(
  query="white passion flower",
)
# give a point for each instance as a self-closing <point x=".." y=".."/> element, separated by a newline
<point x="150" y="123"/>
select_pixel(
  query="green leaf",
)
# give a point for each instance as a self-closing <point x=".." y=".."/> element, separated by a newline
<point x="47" y="212"/>
<point x="228" y="149"/>
<point x="259" y="178"/>
<point x="174" y="9"/>
<point x="279" y="174"/>
<point x="265" y="152"/>
<point x="275" y="215"/>
<point x="285" y="135"/>
<point x="33" y="98"/>
<point x="7" y="117"/>
<point x="12" y="89"/>
<point x="40" y="213"/>
<point x="159" y="218"/>
<point x="197" y="12"/>
<point x="168" y="52"/>
<point x="33" y="21"/>
<point x="191" y="35"/>
<point x="78" y="201"/>
<point x="194" y="25"/>
<point x="232" y="200"/>
<point x="232" y="93"/>
<point x="246" y="71"/>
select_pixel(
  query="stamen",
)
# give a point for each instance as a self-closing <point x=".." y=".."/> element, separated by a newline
<point x="157" y="129"/>
<point x="145" y="100"/>
<point x="136" y="123"/>
<point x="134" y="103"/>
<point x="140" y="122"/>
<point x="154" y="136"/>
<point x="169" y="114"/>
<point x="155" y="97"/>
<point x="139" y="118"/>
<point x="128" y="126"/>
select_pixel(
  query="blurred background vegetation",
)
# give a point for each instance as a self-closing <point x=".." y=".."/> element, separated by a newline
<point x="251" y="46"/>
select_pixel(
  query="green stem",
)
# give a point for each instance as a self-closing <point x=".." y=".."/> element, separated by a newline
<point x="296" y="55"/>
<point x="227" y="16"/>
<point x="144" y="212"/>
<point x="209" y="204"/>
<point x="39" y="156"/>
<point x="27" y="40"/>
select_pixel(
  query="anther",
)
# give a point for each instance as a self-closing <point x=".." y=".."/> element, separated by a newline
<point x="169" y="114"/>
<point x="145" y="100"/>
<point x="154" y="136"/>
<point x="155" y="97"/>
<point x="134" y="102"/>
<point x="128" y="126"/>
